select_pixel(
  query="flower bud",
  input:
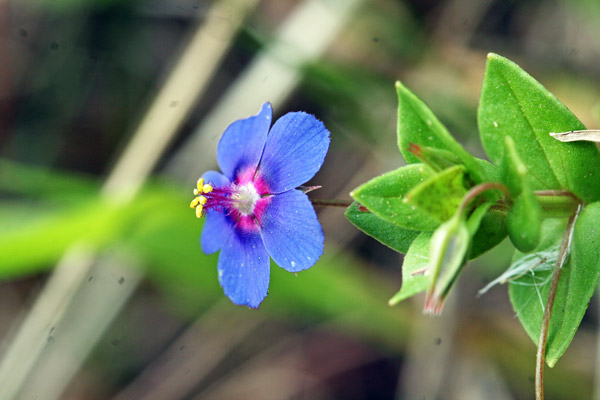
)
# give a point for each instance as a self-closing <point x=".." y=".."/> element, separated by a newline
<point x="447" y="255"/>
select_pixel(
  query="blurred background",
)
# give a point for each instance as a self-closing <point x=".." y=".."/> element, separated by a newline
<point x="109" y="112"/>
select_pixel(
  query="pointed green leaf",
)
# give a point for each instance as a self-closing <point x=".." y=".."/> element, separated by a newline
<point x="516" y="105"/>
<point x="491" y="171"/>
<point x="512" y="170"/>
<point x="436" y="159"/>
<point x="384" y="197"/>
<point x="416" y="260"/>
<point x="524" y="219"/>
<point x="578" y="281"/>
<point x="418" y="125"/>
<point x="440" y="195"/>
<point x="391" y="235"/>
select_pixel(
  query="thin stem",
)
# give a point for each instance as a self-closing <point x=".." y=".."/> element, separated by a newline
<point x="555" y="193"/>
<point x="541" y="350"/>
<point x="477" y="190"/>
<point x="332" y="203"/>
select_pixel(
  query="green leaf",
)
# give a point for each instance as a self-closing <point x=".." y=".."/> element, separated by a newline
<point x="491" y="231"/>
<point x="391" y="235"/>
<point x="524" y="219"/>
<point x="513" y="171"/>
<point x="524" y="222"/>
<point x="552" y="232"/>
<point x="418" y="125"/>
<point x="436" y="159"/>
<point x="416" y="260"/>
<point x="578" y="281"/>
<point x="440" y="195"/>
<point x="476" y="216"/>
<point x="384" y="196"/>
<point x="491" y="171"/>
<point x="516" y="105"/>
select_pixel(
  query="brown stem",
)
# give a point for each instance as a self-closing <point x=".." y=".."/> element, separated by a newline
<point x="541" y="350"/>
<point x="332" y="203"/>
<point x="477" y="190"/>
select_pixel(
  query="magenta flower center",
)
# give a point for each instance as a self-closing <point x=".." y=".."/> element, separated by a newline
<point x="244" y="200"/>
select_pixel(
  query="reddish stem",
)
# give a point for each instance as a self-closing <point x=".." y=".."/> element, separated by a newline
<point x="543" y="340"/>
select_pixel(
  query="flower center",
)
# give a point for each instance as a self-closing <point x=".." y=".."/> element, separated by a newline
<point x="244" y="199"/>
<point x="235" y="200"/>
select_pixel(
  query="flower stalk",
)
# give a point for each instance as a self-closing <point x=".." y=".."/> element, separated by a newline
<point x="330" y="203"/>
<point x="557" y="203"/>
<point x="563" y="252"/>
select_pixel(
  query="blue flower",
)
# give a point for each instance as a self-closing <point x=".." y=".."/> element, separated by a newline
<point x="253" y="209"/>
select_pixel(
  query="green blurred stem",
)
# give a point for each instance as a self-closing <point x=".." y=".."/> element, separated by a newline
<point x="541" y="350"/>
<point x="557" y="203"/>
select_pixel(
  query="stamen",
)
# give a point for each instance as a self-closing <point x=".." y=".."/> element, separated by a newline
<point x="239" y="201"/>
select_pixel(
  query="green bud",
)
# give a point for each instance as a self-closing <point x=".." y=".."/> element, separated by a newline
<point x="447" y="255"/>
<point x="514" y="172"/>
<point x="524" y="222"/>
<point x="524" y="219"/>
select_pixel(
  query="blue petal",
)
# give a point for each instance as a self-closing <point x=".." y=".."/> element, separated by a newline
<point x="291" y="231"/>
<point x="215" y="178"/>
<point x="294" y="152"/>
<point x="217" y="226"/>
<point x="243" y="141"/>
<point x="244" y="268"/>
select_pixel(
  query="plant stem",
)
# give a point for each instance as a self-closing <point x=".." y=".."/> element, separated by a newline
<point x="477" y="190"/>
<point x="557" y="206"/>
<point x="332" y="203"/>
<point x="555" y="193"/>
<point x="541" y="350"/>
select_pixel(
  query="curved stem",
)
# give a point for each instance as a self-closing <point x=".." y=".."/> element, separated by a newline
<point x="541" y="350"/>
<point x="332" y="203"/>
<point x="477" y="190"/>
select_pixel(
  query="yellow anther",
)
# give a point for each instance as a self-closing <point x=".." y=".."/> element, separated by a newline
<point x="203" y="200"/>
<point x="200" y="185"/>
<point x="196" y="192"/>
<point x="195" y="202"/>
<point x="207" y="188"/>
<point x="199" y="211"/>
